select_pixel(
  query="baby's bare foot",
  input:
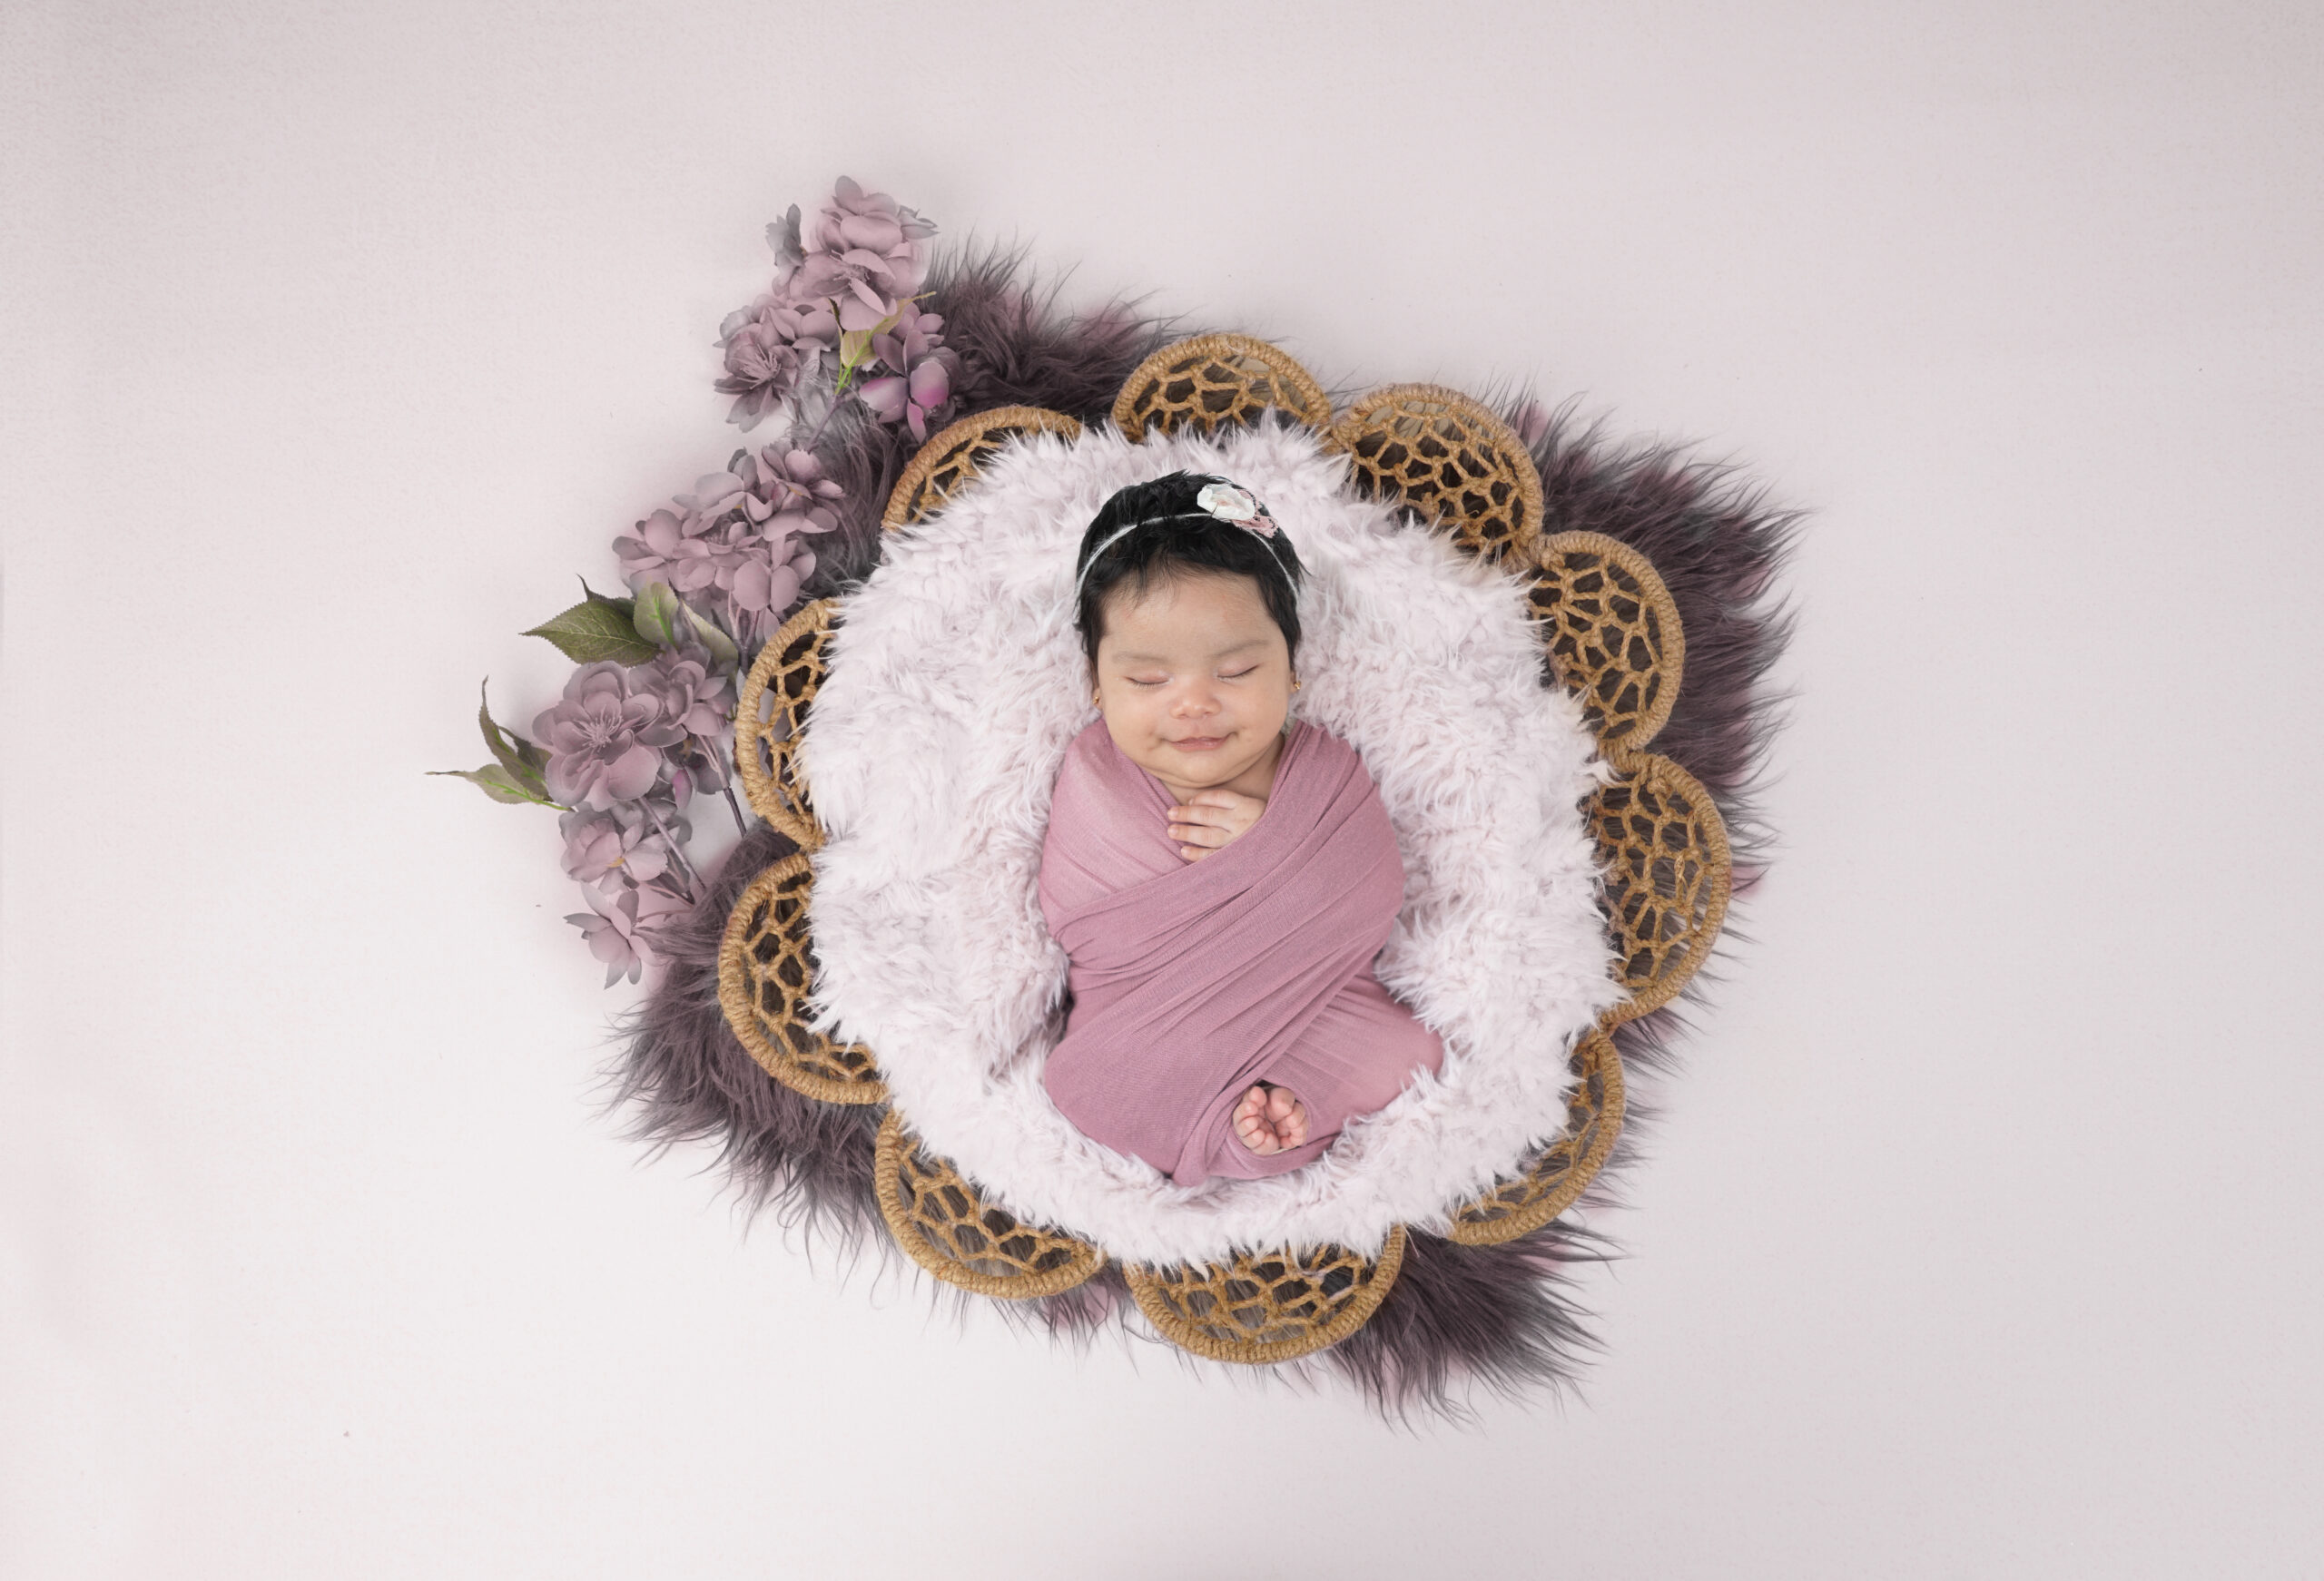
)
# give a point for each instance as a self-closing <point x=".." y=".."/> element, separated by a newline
<point x="1270" y="1119"/>
<point x="1251" y="1123"/>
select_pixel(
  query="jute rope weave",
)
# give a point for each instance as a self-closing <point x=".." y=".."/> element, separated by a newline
<point x="1614" y="639"/>
<point x="953" y="457"/>
<point x="1668" y="875"/>
<point x="770" y="715"/>
<point x="1216" y="381"/>
<point x="1612" y="631"/>
<point x="1270" y="1306"/>
<point x="1452" y="461"/>
<point x="943" y="1225"/>
<point x="766" y="972"/>
<point x="1554" y="1179"/>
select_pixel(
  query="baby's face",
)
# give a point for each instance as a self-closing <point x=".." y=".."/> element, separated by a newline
<point x="1194" y="678"/>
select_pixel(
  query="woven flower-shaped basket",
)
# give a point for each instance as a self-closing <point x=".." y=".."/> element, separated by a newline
<point x="1610" y="635"/>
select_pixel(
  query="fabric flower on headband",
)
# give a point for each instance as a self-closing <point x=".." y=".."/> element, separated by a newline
<point x="1239" y="506"/>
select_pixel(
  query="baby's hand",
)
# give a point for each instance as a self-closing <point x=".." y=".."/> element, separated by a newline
<point x="1211" y="818"/>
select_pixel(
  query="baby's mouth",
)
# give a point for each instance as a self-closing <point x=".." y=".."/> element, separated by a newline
<point x="1199" y="743"/>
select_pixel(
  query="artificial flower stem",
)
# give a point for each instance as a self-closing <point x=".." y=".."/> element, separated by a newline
<point x="677" y="852"/>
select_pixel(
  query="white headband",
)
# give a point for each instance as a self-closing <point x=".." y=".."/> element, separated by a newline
<point x="1223" y="502"/>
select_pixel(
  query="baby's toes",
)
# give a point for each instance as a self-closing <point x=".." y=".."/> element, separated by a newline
<point x="1252" y="1125"/>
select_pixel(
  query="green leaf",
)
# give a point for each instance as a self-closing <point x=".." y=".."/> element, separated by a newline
<point x="625" y="606"/>
<point x="495" y="781"/>
<point x="723" y="654"/>
<point x="522" y="759"/>
<point x="659" y="617"/>
<point x="597" y="628"/>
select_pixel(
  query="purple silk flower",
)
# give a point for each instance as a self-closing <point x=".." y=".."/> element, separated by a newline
<point x="622" y="930"/>
<point x="863" y="253"/>
<point x="769" y="347"/>
<point x="620" y="847"/>
<point x="731" y="548"/>
<point x="919" y="380"/>
<point x="604" y="740"/>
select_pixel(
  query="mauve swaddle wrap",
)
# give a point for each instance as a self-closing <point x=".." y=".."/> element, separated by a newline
<point x="1192" y="980"/>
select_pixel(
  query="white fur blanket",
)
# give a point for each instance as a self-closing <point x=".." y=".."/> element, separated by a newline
<point x="956" y="681"/>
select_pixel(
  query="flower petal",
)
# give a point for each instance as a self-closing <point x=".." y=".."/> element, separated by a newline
<point x="886" y="398"/>
<point x="931" y="383"/>
<point x="753" y="585"/>
<point x="633" y="773"/>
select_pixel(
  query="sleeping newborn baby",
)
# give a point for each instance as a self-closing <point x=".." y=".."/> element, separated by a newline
<point x="1220" y="877"/>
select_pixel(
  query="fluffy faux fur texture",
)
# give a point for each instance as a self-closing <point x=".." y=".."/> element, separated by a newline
<point x="1458" y="1317"/>
<point x="688" y="1080"/>
<point x="955" y="684"/>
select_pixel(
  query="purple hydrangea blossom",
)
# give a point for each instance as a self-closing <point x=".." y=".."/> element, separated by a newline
<point x="627" y="844"/>
<point x="623" y="928"/>
<point x="704" y="706"/>
<point x="781" y="491"/>
<point x="604" y="740"/>
<point x="770" y="346"/>
<point x="627" y="746"/>
<point x="855" y="267"/>
<point x="702" y="703"/>
<point x="911" y="400"/>
<point x="731" y="549"/>
<point x="666" y="549"/>
<point x="863" y="254"/>
<point x="919" y="381"/>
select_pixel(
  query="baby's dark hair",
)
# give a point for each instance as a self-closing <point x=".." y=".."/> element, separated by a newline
<point x="1168" y="534"/>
